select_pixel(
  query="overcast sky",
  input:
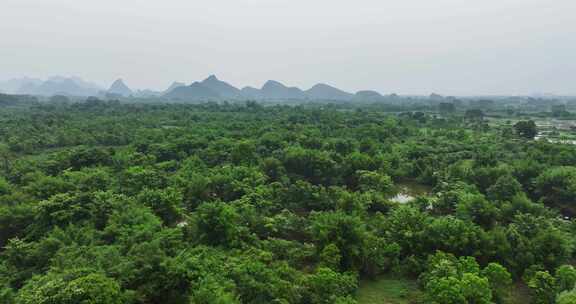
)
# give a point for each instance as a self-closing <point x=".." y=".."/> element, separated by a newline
<point x="455" y="47"/>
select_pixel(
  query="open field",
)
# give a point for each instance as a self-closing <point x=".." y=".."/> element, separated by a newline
<point x="389" y="290"/>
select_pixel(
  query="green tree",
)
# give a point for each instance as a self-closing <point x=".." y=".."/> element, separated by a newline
<point x="347" y="232"/>
<point x="219" y="224"/>
<point x="446" y="107"/>
<point x="445" y="290"/>
<point x="499" y="279"/>
<point x="565" y="276"/>
<point x="476" y="289"/>
<point x="138" y="178"/>
<point x="557" y="187"/>
<point x="330" y="257"/>
<point x="374" y="181"/>
<point x="543" y="288"/>
<point x="475" y="208"/>
<point x="213" y="291"/>
<point x="325" y="284"/>
<point x="166" y="203"/>
<point x="5" y="187"/>
<point x="244" y="153"/>
<point x="71" y="288"/>
<point x="7" y="294"/>
<point x="14" y="219"/>
<point x="315" y="166"/>
<point x="566" y="297"/>
<point x="474" y="114"/>
<point x="380" y="255"/>
<point x="526" y="129"/>
<point x="504" y="189"/>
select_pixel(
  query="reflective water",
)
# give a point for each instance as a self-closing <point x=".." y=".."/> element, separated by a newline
<point x="402" y="198"/>
<point x="409" y="191"/>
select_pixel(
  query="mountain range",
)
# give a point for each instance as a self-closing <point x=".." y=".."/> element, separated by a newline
<point x="57" y="85"/>
<point x="210" y="88"/>
<point x="213" y="88"/>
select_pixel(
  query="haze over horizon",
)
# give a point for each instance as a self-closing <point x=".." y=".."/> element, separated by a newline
<point x="496" y="47"/>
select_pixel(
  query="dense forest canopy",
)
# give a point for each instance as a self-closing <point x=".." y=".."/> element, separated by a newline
<point x="218" y="203"/>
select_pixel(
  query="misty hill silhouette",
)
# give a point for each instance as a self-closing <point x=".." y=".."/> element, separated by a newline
<point x="223" y="89"/>
<point x="251" y="93"/>
<point x="368" y="96"/>
<point x="210" y="88"/>
<point x="214" y="88"/>
<point x="195" y="91"/>
<point x="324" y="91"/>
<point x="16" y="85"/>
<point x="57" y="85"/>
<point x="147" y="93"/>
<point x="275" y="90"/>
<point x="174" y="85"/>
<point x="120" y="88"/>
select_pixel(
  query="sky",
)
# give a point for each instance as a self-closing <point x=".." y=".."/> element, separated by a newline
<point x="451" y="47"/>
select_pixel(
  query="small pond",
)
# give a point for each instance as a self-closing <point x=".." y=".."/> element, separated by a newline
<point x="409" y="191"/>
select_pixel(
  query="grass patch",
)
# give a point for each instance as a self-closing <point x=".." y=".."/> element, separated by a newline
<point x="519" y="294"/>
<point x="388" y="290"/>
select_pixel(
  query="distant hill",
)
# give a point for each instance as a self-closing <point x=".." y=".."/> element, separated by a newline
<point x="275" y="90"/>
<point x="147" y="93"/>
<point x="120" y="88"/>
<point x="324" y="91"/>
<point x="15" y="85"/>
<point x="209" y="88"/>
<point x="251" y="93"/>
<point x="58" y="85"/>
<point x="368" y="96"/>
<point x="174" y="85"/>
<point x="195" y="91"/>
<point x="223" y="89"/>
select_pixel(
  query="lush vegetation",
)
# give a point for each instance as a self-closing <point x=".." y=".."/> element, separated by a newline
<point x="388" y="290"/>
<point x="108" y="202"/>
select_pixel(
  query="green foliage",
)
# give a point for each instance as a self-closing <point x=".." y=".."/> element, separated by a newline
<point x="499" y="279"/>
<point x="7" y="294"/>
<point x="165" y="203"/>
<point x="212" y="291"/>
<point x="108" y="202"/>
<point x="475" y="208"/>
<point x="87" y="157"/>
<point x="374" y="181"/>
<point x="504" y="189"/>
<point x="219" y="224"/>
<point x="476" y="289"/>
<point x="526" y="129"/>
<point x="5" y="187"/>
<point x="315" y="166"/>
<point x="460" y="280"/>
<point x="543" y="287"/>
<point x="138" y="178"/>
<point x="566" y="297"/>
<point x="565" y="276"/>
<point x="445" y="290"/>
<point x="330" y="257"/>
<point x="344" y="231"/>
<point x="14" y="219"/>
<point x="71" y="288"/>
<point x="380" y="256"/>
<point x="388" y="289"/>
<point x="557" y="186"/>
<point x="326" y="286"/>
<point x="454" y="235"/>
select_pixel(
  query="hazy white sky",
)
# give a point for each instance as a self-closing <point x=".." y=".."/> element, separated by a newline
<point x="406" y="46"/>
